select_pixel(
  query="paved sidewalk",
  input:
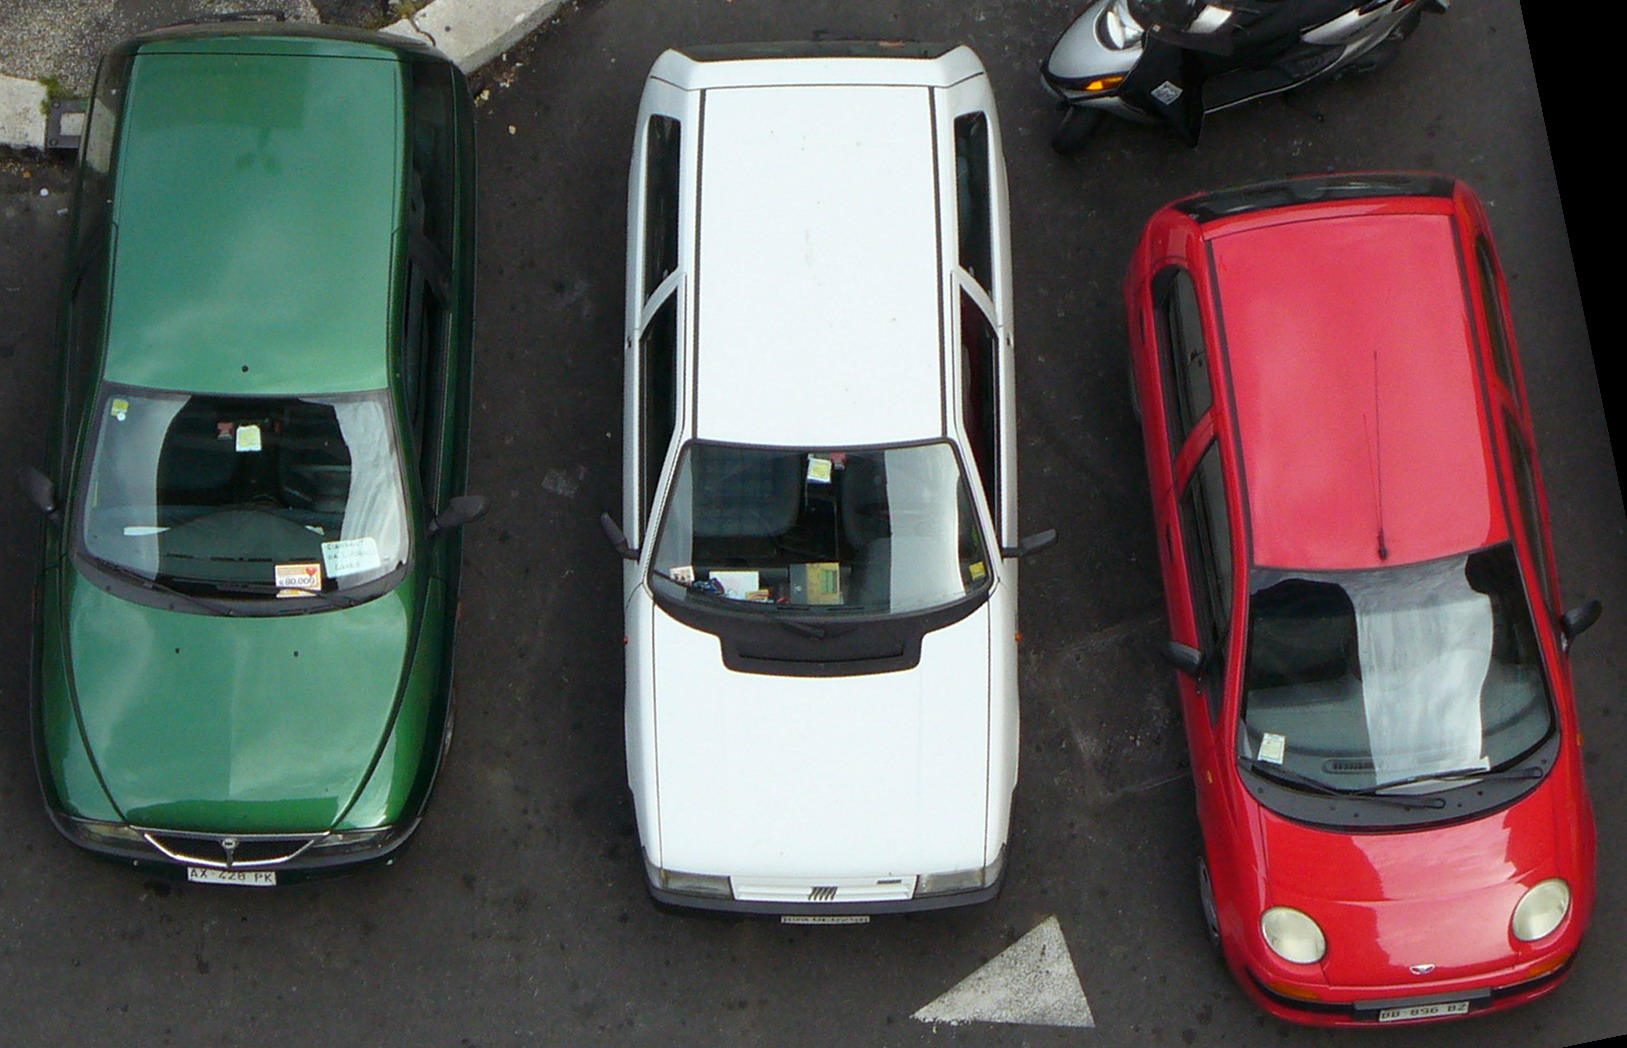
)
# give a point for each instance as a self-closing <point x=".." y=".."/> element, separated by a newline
<point x="49" y="48"/>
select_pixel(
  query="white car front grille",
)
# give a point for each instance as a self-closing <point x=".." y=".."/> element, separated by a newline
<point x="824" y="889"/>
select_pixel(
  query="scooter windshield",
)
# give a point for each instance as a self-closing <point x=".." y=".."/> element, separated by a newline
<point x="1165" y="14"/>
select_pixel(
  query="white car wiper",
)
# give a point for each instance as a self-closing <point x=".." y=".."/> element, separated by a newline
<point x="806" y="629"/>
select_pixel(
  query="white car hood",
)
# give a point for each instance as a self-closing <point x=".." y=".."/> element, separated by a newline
<point x="879" y="775"/>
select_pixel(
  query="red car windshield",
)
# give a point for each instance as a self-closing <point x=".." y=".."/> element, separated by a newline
<point x="1366" y="679"/>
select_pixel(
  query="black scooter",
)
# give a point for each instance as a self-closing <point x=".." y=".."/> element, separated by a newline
<point x="1172" y="61"/>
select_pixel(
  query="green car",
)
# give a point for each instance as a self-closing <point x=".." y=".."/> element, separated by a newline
<point x="245" y="614"/>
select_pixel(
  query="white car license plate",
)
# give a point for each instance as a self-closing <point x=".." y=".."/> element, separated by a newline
<point x="1423" y="1011"/>
<point x="821" y="918"/>
<point x="252" y="878"/>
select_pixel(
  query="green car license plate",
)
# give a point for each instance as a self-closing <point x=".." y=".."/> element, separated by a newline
<point x="251" y="878"/>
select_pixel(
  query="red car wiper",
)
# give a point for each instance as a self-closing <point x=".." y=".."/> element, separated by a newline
<point x="1288" y="777"/>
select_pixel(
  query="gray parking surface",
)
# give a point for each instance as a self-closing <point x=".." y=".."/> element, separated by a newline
<point x="61" y="40"/>
<point x="518" y="917"/>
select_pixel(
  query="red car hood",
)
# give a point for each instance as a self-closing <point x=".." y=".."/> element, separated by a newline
<point x="1441" y="896"/>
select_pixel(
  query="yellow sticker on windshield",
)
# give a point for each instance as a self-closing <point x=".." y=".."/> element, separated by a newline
<point x="120" y="408"/>
<point x="305" y="576"/>
<point x="248" y="438"/>
<point x="977" y="570"/>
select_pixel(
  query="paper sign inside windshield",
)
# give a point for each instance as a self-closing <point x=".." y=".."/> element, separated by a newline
<point x="348" y="556"/>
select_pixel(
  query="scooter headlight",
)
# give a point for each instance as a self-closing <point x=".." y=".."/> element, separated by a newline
<point x="1118" y="29"/>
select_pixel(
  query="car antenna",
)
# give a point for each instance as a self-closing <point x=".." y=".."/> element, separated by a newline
<point x="1378" y="451"/>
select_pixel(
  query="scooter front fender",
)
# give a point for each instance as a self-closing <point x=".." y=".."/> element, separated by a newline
<point x="1079" y="52"/>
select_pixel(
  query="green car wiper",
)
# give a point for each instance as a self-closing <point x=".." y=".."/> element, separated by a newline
<point x="333" y="597"/>
<point x="153" y="585"/>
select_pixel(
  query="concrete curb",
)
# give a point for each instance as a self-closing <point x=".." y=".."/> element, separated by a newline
<point x="473" y="32"/>
<point x="469" y="32"/>
<point x="22" y="113"/>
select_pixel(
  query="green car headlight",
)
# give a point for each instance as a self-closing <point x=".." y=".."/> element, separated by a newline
<point x="1292" y="935"/>
<point x="351" y="841"/>
<point x="1541" y="909"/>
<point x="105" y="832"/>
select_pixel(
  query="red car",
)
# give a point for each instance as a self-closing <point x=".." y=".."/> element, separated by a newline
<point x="1362" y="598"/>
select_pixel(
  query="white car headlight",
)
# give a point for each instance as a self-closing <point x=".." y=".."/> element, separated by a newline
<point x="961" y="880"/>
<point x="689" y="883"/>
<point x="1292" y="935"/>
<point x="1541" y="909"/>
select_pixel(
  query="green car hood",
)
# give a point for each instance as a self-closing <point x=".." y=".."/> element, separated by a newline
<point x="235" y="724"/>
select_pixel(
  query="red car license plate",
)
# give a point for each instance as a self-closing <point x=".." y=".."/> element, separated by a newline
<point x="1423" y="1011"/>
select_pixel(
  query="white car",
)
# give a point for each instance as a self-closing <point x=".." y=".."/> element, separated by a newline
<point x="820" y="502"/>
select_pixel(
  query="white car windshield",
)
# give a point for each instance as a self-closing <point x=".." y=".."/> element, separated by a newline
<point x="244" y="496"/>
<point x="875" y="530"/>
<point x="1363" y="679"/>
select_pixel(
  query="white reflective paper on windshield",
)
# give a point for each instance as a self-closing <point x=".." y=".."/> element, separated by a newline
<point x="349" y="556"/>
<point x="737" y="585"/>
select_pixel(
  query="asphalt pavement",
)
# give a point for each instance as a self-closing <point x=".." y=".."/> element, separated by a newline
<point x="518" y="916"/>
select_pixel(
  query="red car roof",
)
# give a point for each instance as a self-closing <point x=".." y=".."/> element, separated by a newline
<point x="1356" y="388"/>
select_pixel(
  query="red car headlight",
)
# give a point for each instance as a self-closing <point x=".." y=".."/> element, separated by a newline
<point x="1292" y="935"/>
<point x="1541" y="909"/>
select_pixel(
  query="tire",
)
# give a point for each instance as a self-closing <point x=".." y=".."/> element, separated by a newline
<point x="1206" y="905"/>
<point x="1075" y="131"/>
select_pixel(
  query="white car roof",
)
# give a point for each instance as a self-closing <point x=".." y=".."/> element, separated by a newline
<point x="817" y="275"/>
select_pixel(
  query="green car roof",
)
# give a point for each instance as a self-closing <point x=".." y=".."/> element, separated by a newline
<point x="257" y="207"/>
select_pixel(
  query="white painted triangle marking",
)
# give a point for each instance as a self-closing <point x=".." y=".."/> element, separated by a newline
<point x="1032" y="981"/>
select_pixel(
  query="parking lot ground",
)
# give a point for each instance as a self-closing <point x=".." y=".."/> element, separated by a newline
<point x="518" y="917"/>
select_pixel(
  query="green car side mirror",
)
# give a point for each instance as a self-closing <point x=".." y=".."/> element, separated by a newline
<point x="461" y="510"/>
<point x="40" y="491"/>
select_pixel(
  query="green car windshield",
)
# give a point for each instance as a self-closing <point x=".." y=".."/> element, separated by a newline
<point x="888" y="530"/>
<point x="245" y="496"/>
<point x="1389" y="677"/>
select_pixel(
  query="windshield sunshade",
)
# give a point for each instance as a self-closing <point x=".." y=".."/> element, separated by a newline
<point x="235" y="496"/>
<point x="877" y="530"/>
<point x="1359" y="679"/>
